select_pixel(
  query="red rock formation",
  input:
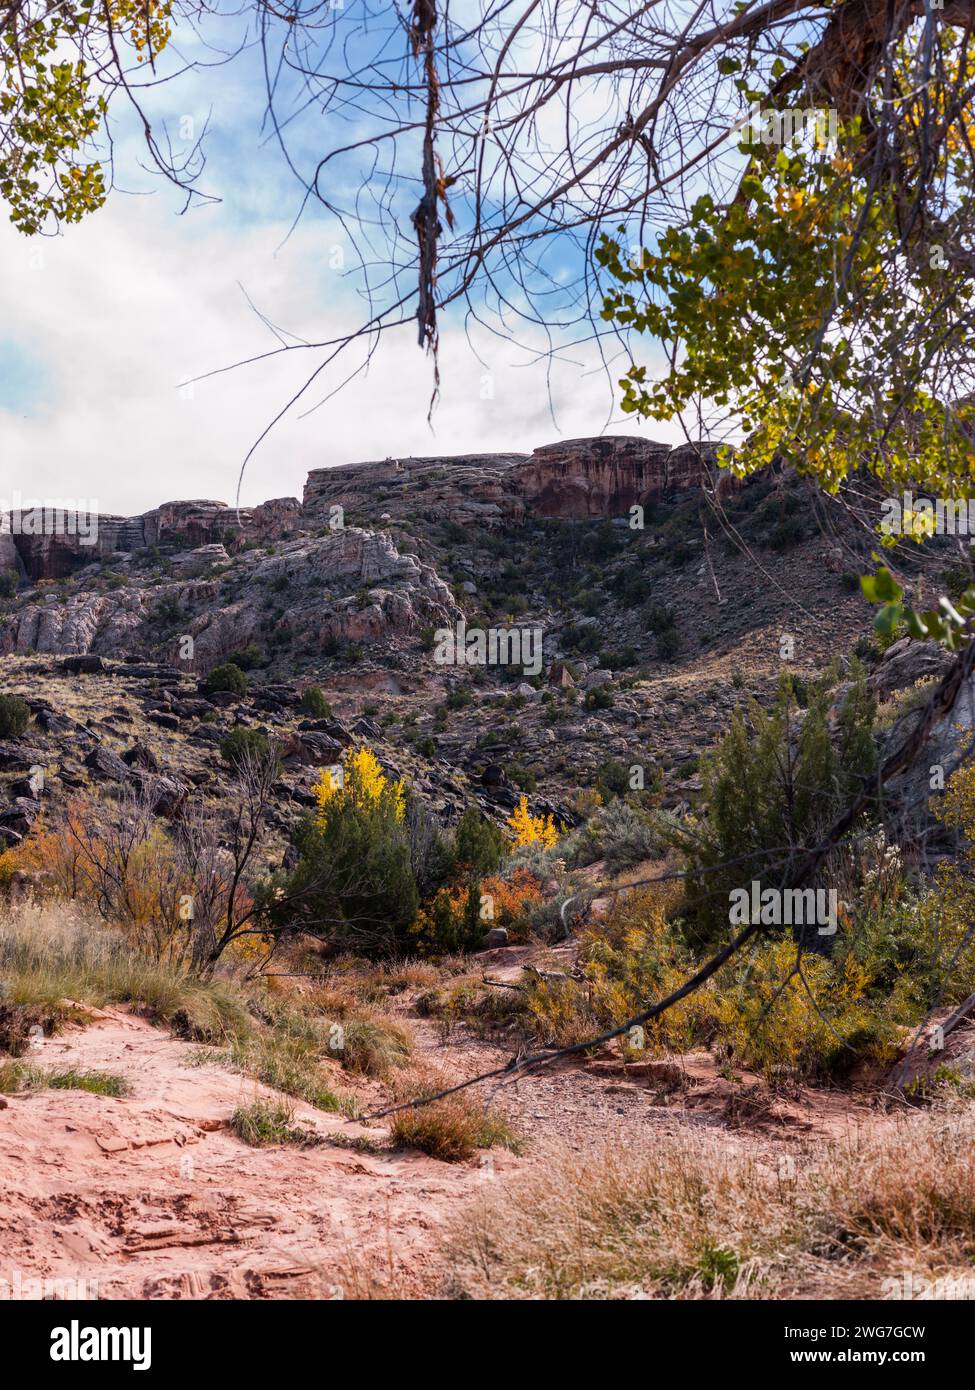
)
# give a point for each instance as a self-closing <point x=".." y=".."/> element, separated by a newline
<point x="583" y="478"/>
<point x="64" y="545"/>
<point x="580" y="478"/>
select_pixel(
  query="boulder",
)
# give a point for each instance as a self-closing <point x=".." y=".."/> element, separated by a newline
<point x="106" y="764"/>
<point x="166" y="795"/>
<point x="21" y="815"/>
<point x="560" y="675"/>
<point x="19" y="757"/>
<point x="164" y="720"/>
<point x="905" y="662"/>
<point x="193" y="563"/>
<point x="497" y="936"/>
<point x="309" y="749"/>
<point x="83" y="665"/>
<point x="141" y="755"/>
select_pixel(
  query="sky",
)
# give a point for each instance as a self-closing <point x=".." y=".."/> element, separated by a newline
<point x="104" y="326"/>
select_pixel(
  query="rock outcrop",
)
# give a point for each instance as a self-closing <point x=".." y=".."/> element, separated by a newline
<point x="347" y="585"/>
<point x="577" y="479"/>
<point x="591" y="478"/>
<point x="63" y="542"/>
<point x="317" y="573"/>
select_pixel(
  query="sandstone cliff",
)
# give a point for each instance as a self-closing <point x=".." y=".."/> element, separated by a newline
<point x="582" y="479"/>
<point x="578" y="478"/>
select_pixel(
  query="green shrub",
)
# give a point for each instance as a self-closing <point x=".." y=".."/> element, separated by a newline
<point x="246" y="659"/>
<point x="242" y="745"/>
<point x="8" y="583"/>
<point x="315" y="703"/>
<point x="598" y="698"/>
<point x="354" y="882"/>
<point x="660" y="619"/>
<point x="772" y="788"/>
<point x="787" y="533"/>
<point x="612" y="779"/>
<point x="14" y="716"/>
<point x="168" y="610"/>
<point x="668" y="644"/>
<point x="478" y="845"/>
<point x="523" y="777"/>
<point x="458" y="698"/>
<point x="226" y="677"/>
<point x="618" y="834"/>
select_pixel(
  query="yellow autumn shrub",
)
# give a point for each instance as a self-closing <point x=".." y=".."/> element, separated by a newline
<point x="527" y="829"/>
<point x="361" y="780"/>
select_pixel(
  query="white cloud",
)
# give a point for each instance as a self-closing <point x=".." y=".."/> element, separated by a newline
<point x="122" y="308"/>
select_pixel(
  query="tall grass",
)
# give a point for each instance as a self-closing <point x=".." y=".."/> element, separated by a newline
<point x="686" y="1216"/>
<point x="53" y="953"/>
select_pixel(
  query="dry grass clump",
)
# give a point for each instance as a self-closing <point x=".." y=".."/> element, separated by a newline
<point x="485" y="1010"/>
<point x="55" y="952"/>
<point x="291" y="1052"/>
<point x="267" y="1123"/>
<point x="374" y="983"/>
<point x="687" y="1217"/>
<point x="452" y="1129"/>
<point x="19" y="1076"/>
<point x="373" y="1046"/>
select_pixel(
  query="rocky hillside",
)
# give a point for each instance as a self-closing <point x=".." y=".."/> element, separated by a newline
<point x="649" y="637"/>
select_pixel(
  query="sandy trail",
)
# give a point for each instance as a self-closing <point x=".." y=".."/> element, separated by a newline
<point x="151" y="1196"/>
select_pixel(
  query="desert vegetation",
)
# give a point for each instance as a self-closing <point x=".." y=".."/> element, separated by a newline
<point x="541" y="875"/>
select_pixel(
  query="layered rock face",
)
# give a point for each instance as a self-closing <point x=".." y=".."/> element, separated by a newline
<point x="348" y="585"/>
<point x="54" y="546"/>
<point x="328" y="578"/>
<point x="591" y="478"/>
<point x="579" y="479"/>
<point x="464" y="488"/>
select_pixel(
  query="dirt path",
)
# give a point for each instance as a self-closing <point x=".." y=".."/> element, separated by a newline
<point x="153" y="1196"/>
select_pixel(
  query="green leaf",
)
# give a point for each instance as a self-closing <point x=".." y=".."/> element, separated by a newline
<point x="887" y="619"/>
<point x="881" y="587"/>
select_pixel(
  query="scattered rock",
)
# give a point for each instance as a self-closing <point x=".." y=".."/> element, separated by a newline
<point x="107" y="764"/>
<point x="497" y="936"/>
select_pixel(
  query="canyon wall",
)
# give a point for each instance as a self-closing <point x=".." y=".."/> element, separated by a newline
<point x="581" y="479"/>
<point x="575" y="479"/>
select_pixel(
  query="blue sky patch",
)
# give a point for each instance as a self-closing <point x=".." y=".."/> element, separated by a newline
<point x="22" y="379"/>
